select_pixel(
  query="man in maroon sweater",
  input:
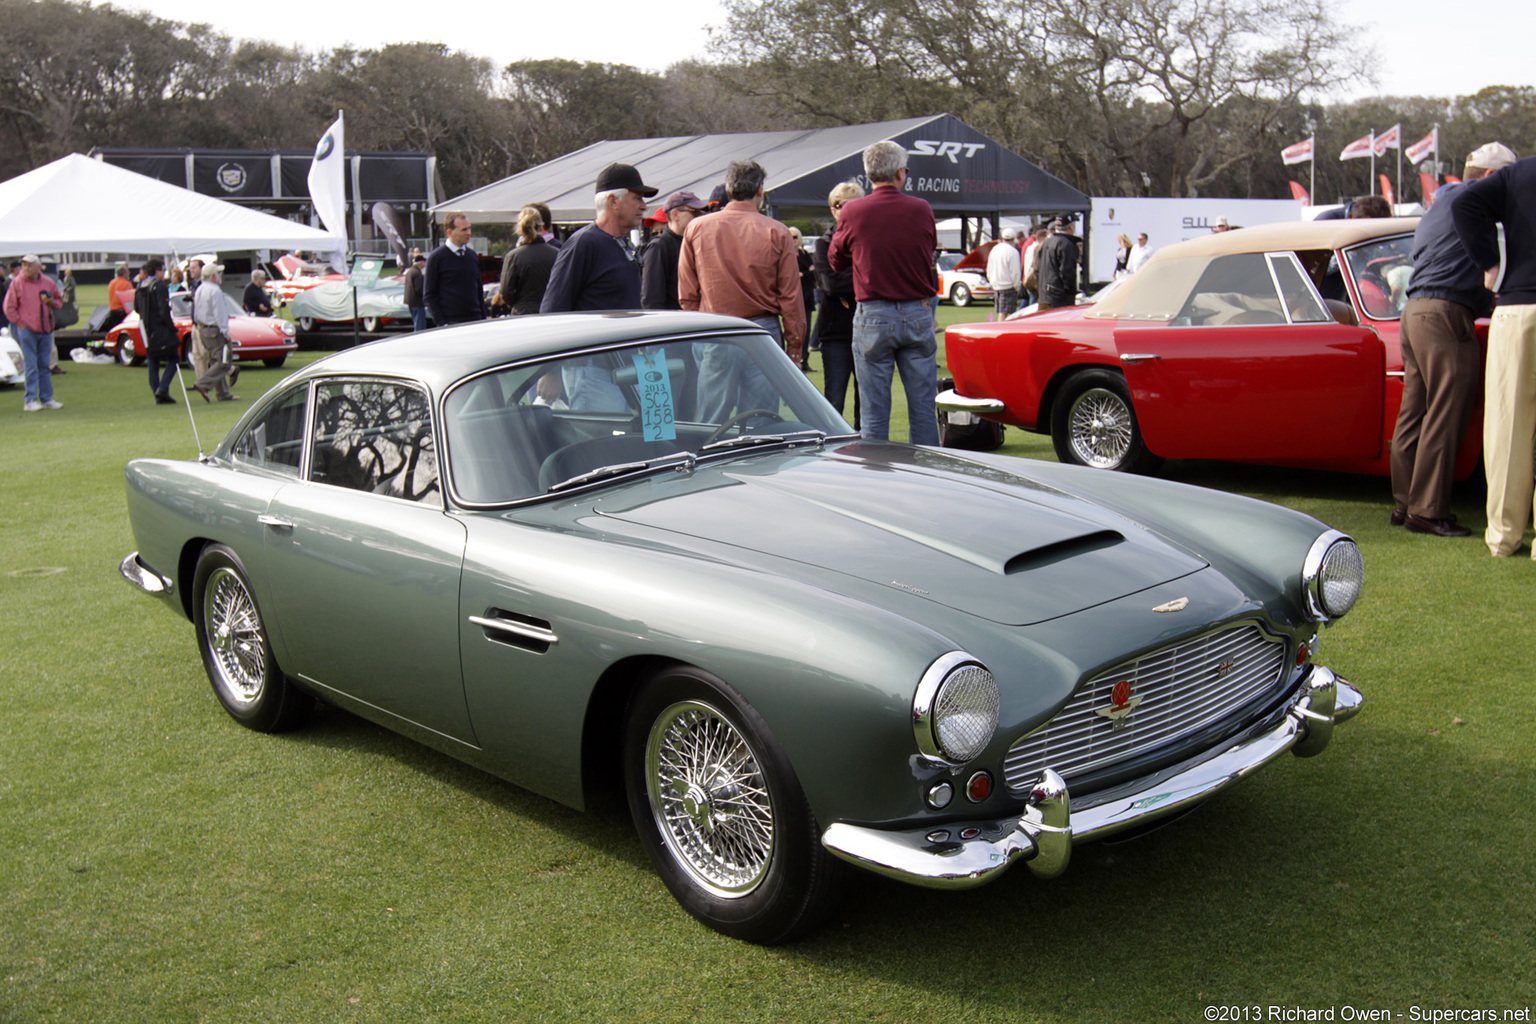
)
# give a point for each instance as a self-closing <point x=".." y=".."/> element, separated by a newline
<point x="889" y="239"/>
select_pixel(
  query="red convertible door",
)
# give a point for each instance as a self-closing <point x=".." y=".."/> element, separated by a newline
<point x="1261" y="391"/>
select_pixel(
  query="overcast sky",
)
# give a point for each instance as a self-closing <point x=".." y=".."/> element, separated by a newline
<point x="1427" y="47"/>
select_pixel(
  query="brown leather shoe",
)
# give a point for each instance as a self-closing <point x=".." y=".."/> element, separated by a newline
<point x="229" y="398"/>
<point x="1438" y="527"/>
<point x="1399" y="516"/>
<point x="202" y="391"/>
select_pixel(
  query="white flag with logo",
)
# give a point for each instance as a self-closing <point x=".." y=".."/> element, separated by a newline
<point x="1361" y="147"/>
<point x="1392" y="138"/>
<point x="1297" y="153"/>
<point x="328" y="190"/>
<point x="1428" y="144"/>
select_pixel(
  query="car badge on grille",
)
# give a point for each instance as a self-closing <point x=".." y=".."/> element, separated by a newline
<point x="1225" y="668"/>
<point x="1176" y="605"/>
<point x="1121" y="704"/>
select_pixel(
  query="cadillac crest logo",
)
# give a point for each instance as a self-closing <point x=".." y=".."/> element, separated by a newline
<point x="1121" y="704"/>
<point x="231" y="177"/>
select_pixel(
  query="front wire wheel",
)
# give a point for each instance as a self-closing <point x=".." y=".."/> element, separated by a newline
<point x="236" y="653"/>
<point x="720" y="810"/>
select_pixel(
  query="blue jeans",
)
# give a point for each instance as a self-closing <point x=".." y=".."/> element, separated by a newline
<point x="730" y="381"/>
<point x="162" y="370"/>
<point x="890" y="336"/>
<point x="418" y="318"/>
<point x="35" y="349"/>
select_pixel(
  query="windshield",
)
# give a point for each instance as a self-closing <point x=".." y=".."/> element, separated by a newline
<point x="947" y="260"/>
<point x="561" y="423"/>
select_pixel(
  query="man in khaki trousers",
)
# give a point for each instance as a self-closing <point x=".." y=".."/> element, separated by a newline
<point x="1508" y="198"/>
<point x="210" y="337"/>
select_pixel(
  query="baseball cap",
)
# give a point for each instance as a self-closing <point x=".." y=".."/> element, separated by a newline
<point x="682" y="199"/>
<point x="30" y="258"/>
<point x="1490" y="156"/>
<point x="623" y="176"/>
<point x="1009" y="234"/>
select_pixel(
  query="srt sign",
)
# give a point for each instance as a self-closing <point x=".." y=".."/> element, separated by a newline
<point x="934" y="147"/>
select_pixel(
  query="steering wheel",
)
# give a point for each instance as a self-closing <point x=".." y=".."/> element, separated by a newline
<point x="745" y="414"/>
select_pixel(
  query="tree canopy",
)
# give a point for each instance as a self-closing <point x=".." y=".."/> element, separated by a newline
<point x="1116" y="97"/>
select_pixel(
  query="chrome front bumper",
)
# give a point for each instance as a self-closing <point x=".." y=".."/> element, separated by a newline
<point x="961" y="855"/>
<point x="952" y="401"/>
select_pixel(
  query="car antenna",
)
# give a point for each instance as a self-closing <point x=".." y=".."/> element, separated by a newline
<point x="185" y="399"/>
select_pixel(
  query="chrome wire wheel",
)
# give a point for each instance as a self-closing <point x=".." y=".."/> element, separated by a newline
<point x="1100" y="428"/>
<point x="236" y="642"/>
<point x="709" y="798"/>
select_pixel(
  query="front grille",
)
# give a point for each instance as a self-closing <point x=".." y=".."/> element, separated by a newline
<point x="1181" y="690"/>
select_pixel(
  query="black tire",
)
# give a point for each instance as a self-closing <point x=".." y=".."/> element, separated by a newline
<point x="275" y="363"/>
<point x="1094" y="424"/>
<point x="725" y="822"/>
<point x="960" y="294"/>
<point x="236" y="655"/>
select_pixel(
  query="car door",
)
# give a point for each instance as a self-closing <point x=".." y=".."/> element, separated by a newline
<point x="364" y="561"/>
<point x="1255" y="368"/>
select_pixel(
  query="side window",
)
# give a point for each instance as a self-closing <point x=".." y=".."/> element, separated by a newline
<point x="374" y="436"/>
<point x="1299" y="298"/>
<point x="1235" y="290"/>
<point x="1381" y="271"/>
<point x="276" y="441"/>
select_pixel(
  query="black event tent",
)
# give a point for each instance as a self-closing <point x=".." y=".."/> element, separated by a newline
<point x="960" y="171"/>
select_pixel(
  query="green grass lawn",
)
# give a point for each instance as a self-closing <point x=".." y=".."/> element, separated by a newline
<point x="159" y="863"/>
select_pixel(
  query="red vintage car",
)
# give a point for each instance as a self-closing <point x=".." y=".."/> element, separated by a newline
<point x="255" y="337"/>
<point x="1275" y="344"/>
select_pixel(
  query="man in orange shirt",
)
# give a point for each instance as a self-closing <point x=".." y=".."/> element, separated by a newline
<point x="119" y="298"/>
<point x="739" y="262"/>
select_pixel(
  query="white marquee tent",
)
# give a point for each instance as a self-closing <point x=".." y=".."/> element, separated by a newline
<point x="77" y="204"/>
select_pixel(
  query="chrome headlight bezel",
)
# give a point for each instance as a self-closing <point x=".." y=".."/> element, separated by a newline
<point x="1334" y="567"/>
<point x="953" y="686"/>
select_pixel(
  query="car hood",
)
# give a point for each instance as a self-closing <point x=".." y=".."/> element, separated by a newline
<point x="991" y="543"/>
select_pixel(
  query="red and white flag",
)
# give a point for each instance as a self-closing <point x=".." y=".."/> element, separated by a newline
<point x="1361" y="147"/>
<point x="1392" y="138"/>
<point x="1299" y="153"/>
<point x="1428" y="144"/>
<point x="1428" y="186"/>
<point x="1386" y="189"/>
<point x="1300" y="194"/>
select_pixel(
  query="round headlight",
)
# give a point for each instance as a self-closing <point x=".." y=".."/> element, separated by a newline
<point x="1333" y="576"/>
<point x="954" y="711"/>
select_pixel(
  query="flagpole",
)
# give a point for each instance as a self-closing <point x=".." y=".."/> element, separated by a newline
<point x="1312" y="173"/>
<point x="1373" y="162"/>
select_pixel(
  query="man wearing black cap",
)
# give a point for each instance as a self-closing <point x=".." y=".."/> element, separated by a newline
<point x="1057" y="265"/>
<point x="596" y="268"/>
<point x="414" y="279"/>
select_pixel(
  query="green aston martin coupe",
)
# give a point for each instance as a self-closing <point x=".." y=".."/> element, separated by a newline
<point x="639" y="550"/>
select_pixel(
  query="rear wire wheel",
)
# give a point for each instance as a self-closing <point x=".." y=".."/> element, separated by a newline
<point x="1094" y="424"/>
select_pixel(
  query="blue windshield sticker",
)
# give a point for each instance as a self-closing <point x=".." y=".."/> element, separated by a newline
<point x="655" y="385"/>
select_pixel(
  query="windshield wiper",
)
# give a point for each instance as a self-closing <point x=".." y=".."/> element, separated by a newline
<point x="682" y="460"/>
<point x="752" y="440"/>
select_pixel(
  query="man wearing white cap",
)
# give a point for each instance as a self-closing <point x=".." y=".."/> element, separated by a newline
<point x="29" y="305"/>
<point x="1003" y="275"/>
<point x="1508" y="197"/>
<point x="1440" y="361"/>
<point x="210" y="337"/>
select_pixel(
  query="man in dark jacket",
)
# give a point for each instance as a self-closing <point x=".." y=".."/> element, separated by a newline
<point x="1440" y="360"/>
<point x="162" y="342"/>
<point x="414" y="280"/>
<point x="453" y="291"/>
<point x="1057" y="266"/>
<point x="658" y="271"/>
<point x="1508" y="197"/>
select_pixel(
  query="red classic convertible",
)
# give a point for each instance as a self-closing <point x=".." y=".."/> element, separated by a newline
<point x="1275" y="344"/>
<point x="256" y="337"/>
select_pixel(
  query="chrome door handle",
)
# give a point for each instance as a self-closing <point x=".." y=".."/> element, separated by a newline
<point x="273" y="521"/>
<point x="1138" y="357"/>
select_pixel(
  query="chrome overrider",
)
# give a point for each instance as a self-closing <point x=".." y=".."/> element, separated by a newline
<point x="138" y="573"/>
<point x="961" y="855"/>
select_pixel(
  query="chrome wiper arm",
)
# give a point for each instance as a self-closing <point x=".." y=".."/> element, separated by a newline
<point x="752" y="440"/>
<point x="683" y="460"/>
